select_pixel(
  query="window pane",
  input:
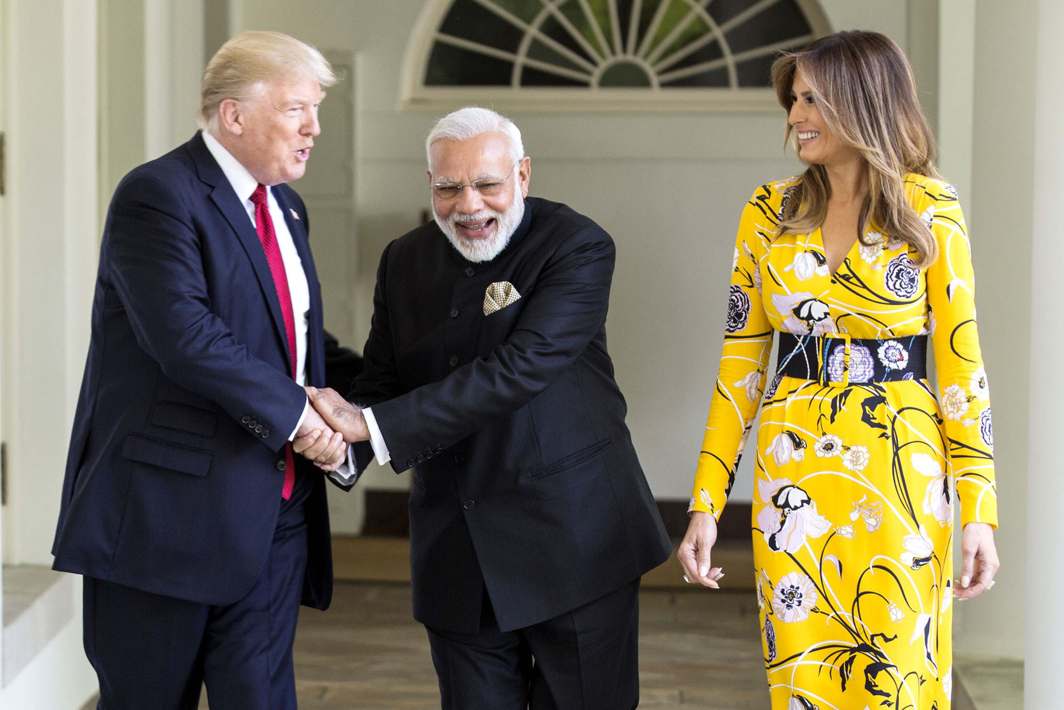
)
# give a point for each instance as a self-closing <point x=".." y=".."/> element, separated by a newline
<point x="779" y="22"/>
<point x="756" y="72"/>
<point x="475" y="23"/>
<point x="557" y="32"/>
<point x="540" y="51"/>
<point x="451" y="66"/>
<point x="534" y="77"/>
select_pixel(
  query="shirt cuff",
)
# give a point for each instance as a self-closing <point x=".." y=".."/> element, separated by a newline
<point x="376" y="439"/>
<point x="346" y="474"/>
<point x="299" y="424"/>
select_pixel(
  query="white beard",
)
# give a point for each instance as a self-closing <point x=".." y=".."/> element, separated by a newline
<point x="481" y="250"/>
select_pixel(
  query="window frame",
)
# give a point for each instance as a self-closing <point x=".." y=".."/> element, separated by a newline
<point x="415" y="95"/>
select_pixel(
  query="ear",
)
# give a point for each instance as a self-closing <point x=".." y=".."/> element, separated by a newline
<point x="524" y="174"/>
<point x="231" y="117"/>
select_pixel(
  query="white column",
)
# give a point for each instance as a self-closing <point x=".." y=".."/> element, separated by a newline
<point x="998" y="206"/>
<point x="1043" y="650"/>
<point x="956" y="88"/>
<point x="51" y="235"/>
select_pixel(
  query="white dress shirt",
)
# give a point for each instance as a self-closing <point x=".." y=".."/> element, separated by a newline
<point x="244" y="186"/>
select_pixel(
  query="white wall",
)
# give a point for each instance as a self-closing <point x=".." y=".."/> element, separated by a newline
<point x="1045" y="485"/>
<point x="999" y="206"/>
<point x="49" y="64"/>
<point x="668" y="187"/>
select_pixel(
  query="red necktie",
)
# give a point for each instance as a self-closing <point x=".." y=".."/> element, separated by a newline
<point x="268" y="238"/>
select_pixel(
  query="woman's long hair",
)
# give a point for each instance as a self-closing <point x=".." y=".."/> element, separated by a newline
<point x="864" y="88"/>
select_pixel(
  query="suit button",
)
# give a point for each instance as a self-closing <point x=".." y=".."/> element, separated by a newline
<point x="454" y="313"/>
<point x="469" y="504"/>
<point x="470" y="271"/>
<point x="280" y="465"/>
<point x="265" y="433"/>
<point x="257" y="428"/>
<point x="453" y="361"/>
<point x="245" y="420"/>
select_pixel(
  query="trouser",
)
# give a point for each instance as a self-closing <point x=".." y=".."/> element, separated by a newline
<point x="585" y="659"/>
<point x="153" y="651"/>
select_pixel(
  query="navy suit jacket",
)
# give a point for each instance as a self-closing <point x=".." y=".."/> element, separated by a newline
<point x="525" y="482"/>
<point x="174" y="473"/>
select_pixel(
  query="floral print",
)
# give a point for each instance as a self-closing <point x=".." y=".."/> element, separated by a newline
<point x="794" y="597"/>
<point x="738" y="309"/>
<point x="828" y="445"/>
<point x="954" y="402"/>
<point x="855" y="478"/>
<point x="808" y="264"/>
<point x="893" y="355"/>
<point x="986" y="428"/>
<point x="855" y="458"/>
<point x="789" y="516"/>
<point x="786" y="447"/>
<point x="804" y="315"/>
<point x="861" y="366"/>
<point x="936" y="496"/>
<point x="870" y="513"/>
<point x="902" y="277"/>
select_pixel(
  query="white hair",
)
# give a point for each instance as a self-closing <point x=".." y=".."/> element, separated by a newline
<point x="251" y="59"/>
<point x="473" y="121"/>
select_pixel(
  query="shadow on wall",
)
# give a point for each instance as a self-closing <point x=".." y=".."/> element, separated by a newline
<point x="376" y="231"/>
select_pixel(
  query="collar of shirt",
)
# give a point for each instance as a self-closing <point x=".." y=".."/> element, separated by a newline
<point x="238" y="176"/>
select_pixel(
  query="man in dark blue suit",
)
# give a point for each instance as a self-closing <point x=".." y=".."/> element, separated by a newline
<point x="197" y="530"/>
<point x="486" y="371"/>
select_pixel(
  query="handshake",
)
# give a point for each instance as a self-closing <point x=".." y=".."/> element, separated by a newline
<point x="330" y="425"/>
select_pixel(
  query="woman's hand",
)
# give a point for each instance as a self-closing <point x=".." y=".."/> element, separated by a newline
<point x="979" y="561"/>
<point x="694" y="551"/>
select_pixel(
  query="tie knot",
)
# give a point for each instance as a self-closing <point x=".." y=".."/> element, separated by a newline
<point x="259" y="196"/>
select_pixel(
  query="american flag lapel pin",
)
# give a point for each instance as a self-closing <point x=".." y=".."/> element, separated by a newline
<point x="295" y="215"/>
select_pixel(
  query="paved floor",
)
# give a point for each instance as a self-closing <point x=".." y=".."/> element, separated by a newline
<point x="697" y="651"/>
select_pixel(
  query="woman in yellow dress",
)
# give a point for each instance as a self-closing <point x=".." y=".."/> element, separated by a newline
<point x="858" y="266"/>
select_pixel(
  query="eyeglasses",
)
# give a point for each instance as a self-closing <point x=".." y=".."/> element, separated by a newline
<point x="487" y="186"/>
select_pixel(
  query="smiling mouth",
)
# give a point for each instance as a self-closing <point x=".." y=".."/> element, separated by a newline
<point x="476" y="230"/>
<point x="806" y="136"/>
<point x="303" y="153"/>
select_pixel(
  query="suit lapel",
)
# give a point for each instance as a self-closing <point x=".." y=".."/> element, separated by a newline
<point x="229" y="205"/>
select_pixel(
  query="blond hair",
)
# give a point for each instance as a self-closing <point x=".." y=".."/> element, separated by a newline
<point x="251" y="59"/>
<point x="864" y="88"/>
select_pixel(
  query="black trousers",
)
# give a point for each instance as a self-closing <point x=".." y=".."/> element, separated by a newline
<point x="152" y="651"/>
<point x="586" y="659"/>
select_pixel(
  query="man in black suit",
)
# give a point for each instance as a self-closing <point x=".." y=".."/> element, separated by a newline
<point x="486" y="371"/>
<point x="197" y="531"/>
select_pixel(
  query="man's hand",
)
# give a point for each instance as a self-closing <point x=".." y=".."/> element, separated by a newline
<point x="318" y="443"/>
<point x="694" y="552"/>
<point x="339" y="414"/>
<point x="979" y="561"/>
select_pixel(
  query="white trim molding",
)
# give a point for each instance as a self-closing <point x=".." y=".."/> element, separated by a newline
<point x="643" y="50"/>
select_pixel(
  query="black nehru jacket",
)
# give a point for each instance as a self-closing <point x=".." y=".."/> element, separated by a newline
<point x="525" y="480"/>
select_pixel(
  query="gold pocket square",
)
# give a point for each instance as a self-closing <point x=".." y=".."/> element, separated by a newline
<point x="499" y="295"/>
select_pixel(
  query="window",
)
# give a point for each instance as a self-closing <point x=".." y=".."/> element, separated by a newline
<point x="601" y="53"/>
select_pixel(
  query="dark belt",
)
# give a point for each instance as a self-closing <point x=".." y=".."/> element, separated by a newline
<point x="840" y="359"/>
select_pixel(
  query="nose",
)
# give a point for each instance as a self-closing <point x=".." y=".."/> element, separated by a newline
<point x="469" y="201"/>
<point x="311" y="126"/>
<point x="796" y="113"/>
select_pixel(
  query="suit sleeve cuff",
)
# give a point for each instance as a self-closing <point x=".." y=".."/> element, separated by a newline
<point x="376" y="439"/>
<point x="299" y="424"/>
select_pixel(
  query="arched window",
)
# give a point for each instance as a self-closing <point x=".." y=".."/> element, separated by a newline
<point x="604" y="53"/>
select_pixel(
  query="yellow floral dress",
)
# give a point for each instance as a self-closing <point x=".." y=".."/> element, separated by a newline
<point x="853" y="503"/>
